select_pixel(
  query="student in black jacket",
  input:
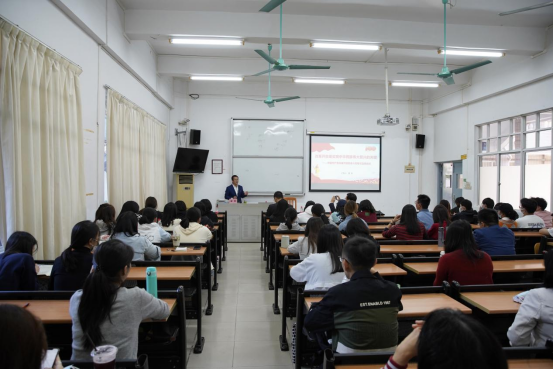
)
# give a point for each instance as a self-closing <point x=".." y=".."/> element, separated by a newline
<point x="209" y="211"/>
<point x="466" y="213"/>
<point x="361" y="313"/>
<point x="205" y="219"/>
<point x="278" y="214"/>
<point x="272" y="208"/>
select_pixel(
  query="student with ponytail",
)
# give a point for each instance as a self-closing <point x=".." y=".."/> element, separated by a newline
<point x="105" y="219"/>
<point x="290" y="221"/>
<point x="350" y="211"/>
<point x="507" y="215"/>
<point x="104" y="313"/>
<point x="318" y="211"/>
<point x="73" y="266"/>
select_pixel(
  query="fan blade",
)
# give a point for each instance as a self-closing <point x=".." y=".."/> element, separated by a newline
<point x="271" y="104"/>
<point x="245" y="98"/>
<point x="549" y="3"/>
<point x="307" y="67"/>
<point x="271" y="5"/>
<point x="449" y="80"/>
<point x="469" y="67"/>
<point x="418" y="74"/>
<point x="286" y="98"/>
<point x="264" y="55"/>
<point x="264" y="72"/>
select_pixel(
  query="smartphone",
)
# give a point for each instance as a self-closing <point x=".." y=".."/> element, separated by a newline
<point x="50" y="358"/>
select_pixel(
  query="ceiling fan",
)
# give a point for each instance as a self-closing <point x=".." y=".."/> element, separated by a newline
<point x="446" y="74"/>
<point x="387" y="120"/>
<point x="270" y="101"/>
<point x="549" y="3"/>
<point x="279" y="64"/>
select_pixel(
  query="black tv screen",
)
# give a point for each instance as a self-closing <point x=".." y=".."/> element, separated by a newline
<point x="190" y="161"/>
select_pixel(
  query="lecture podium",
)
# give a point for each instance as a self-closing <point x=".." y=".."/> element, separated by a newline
<point x="243" y="220"/>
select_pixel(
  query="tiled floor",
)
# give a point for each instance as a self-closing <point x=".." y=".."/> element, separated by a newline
<point x="243" y="331"/>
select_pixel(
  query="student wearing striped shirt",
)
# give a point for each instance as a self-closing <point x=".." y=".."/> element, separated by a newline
<point x="406" y="226"/>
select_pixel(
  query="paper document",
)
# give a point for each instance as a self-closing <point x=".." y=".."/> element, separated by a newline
<point x="45" y="270"/>
<point x="181" y="249"/>
<point x="50" y="358"/>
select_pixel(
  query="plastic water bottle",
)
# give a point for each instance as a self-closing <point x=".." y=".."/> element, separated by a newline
<point x="441" y="237"/>
<point x="217" y="209"/>
<point x="151" y="281"/>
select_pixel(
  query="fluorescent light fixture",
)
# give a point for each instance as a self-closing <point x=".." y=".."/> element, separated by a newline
<point x="415" y="84"/>
<point x="346" y="45"/>
<point x="222" y="41"/>
<point x="484" y="53"/>
<point x="320" y="81"/>
<point x="217" y="78"/>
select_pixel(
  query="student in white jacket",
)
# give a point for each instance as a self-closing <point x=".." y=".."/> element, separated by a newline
<point x="195" y="232"/>
<point x="291" y="221"/>
<point x="322" y="270"/>
<point x="533" y="324"/>
<point x="306" y="214"/>
<point x="148" y="227"/>
<point x="307" y="245"/>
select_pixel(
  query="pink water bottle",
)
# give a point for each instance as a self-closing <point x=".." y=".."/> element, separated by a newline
<point x="217" y="209"/>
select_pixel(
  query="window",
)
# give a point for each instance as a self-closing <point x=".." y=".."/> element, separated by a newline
<point x="515" y="158"/>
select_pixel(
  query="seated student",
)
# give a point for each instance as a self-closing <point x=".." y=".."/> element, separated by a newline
<point x="491" y="238"/>
<point x="449" y="339"/>
<point x="105" y="219"/>
<point x="487" y="203"/>
<point x="466" y="213"/>
<point x="529" y="220"/>
<point x="307" y="245"/>
<point x="129" y="206"/>
<point x="104" y="312"/>
<point x="349" y="197"/>
<point x="507" y="215"/>
<point x="127" y="231"/>
<point x="457" y="208"/>
<point x="547" y="232"/>
<point x="541" y="212"/>
<point x="169" y="218"/>
<point x="305" y="215"/>
<point x="533" y="325"/>
<point x="205" y="219"/>
<point x="151" y="202"/>
<point x="209" y="211"/>
<point x="149" y="228"/>
<point x="181" y="210"/>
<point x="424" y="216"/>
<point x="447" y="206"/>
<point x="353" y="311"/>
<point x="290" y="221"/>
<point x="73" y="266"/>
<point x="358" y="228"/>
<point x="367" y="212"/>
<point x="440" y="216"/>
<point x="463" y="262"/>
<point x="278" y="214"/>
<point x="318" y="211"/>
<point x="272" y="208"/>
<point x="323" y="269"/>
<point x="17" y="267"/>
<point x="195" y="232"/>
<point x="338" y="215"/>
<point x="405" y="226"/>
<point x="350" y="211"/>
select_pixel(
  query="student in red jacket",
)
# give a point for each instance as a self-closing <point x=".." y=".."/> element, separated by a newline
<point x="406" y="226"/>
<point x="367" y="212"/>
<point x="440" y="216"/>
<point x="463" y="262"/>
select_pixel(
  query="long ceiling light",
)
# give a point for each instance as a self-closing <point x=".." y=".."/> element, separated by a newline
<point x="217" y="78"/>
<point x="415" y="84"/>
<point x="346" y="45"/>
<point x="222" y="41"/>
<point x="463" y="52"/>
<point x="320" y="81"/>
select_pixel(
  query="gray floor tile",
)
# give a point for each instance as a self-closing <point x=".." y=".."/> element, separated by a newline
<point x="215" y="355"/>
<point x="255" y="299"/>
<point x="221" y="313"/>
<point x="257" y="331"/>
<point x="219" y="331"/>
<point x="260" y="354"/>
<point x="259" y="286"/>
<point x="256" y="314"/>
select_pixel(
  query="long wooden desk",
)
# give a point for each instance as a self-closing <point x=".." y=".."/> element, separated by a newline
<point x="493" y="302"/>
<point x="410" y="249"/>
<point x="528" y="234"/>
<point x="513" y="364"/>
<point x="182" y="273"/>
<point x="171" y="251"/>
<point x="384" y="270"/>
<point x="499" y="266"/>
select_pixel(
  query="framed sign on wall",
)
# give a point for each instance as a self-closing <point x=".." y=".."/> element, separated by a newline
<point x="217" y="166"/>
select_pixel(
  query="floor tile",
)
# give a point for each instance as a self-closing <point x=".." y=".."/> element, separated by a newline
<point x="219" y="331"/>
<point x="256" y="299"/>
<point x="260" y="354"/>
<point x="215" y="355"/>
<point x="257" y="331"/>
<point x="256" y="314"/>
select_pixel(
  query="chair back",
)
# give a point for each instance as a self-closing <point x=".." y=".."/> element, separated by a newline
<point x="292" y="201"/>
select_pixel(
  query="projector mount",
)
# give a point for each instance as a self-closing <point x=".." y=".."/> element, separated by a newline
<point x="387" y="120"/>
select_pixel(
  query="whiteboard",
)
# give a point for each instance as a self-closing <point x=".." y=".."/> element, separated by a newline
<point x="268" y="175"/>
<point x="268" y="138"/>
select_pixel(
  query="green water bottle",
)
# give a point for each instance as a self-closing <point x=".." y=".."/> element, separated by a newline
<point x="151" y="281"/>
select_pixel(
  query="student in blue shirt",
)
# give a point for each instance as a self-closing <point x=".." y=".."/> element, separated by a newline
<point x="17" y="267"/>
<point x="424" y="215"/>
<point x="491" y="238"/>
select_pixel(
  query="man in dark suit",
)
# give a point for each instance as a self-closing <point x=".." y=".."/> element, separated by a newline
<point x="271" y="209"/>
<point x="235" y="191"/>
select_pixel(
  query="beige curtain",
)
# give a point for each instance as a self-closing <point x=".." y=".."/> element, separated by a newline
<point x="42" y="183"/>
<point x="135" y="154"/>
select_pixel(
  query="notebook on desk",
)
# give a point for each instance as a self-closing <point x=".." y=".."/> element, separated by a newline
<point x="45" y="270"/>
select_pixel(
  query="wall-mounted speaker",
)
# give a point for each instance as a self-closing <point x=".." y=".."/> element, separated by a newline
<point x="195" y="136"/>
<point x="420" y="142"/>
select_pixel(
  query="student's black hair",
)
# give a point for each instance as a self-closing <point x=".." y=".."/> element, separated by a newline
<point x="529" y="204"/>
<point x="440" y="215"/>
<point x="207" y="205"/>
<point x="21" y="243"/>
<point x="357" y="227"/>
<point x="312" y="229"/>
<point x="232" y="178"/>
<point x="497" y="206"/>
<point x="467" y="204"/>
<point x="318" y="210"/>
<point x="81" y="235"/>
<point x="149" y="215"/>
<point x="548" y="275"/>
<point x="193" y="214"/>
<point x="106" y="213"/>
<point x="200" y="205"/>
<point x="540" y="201"/>
<point x="350" y="196"/>
<point x="507" y="210"/>
<point x="127" y="224"/>
<point x="309" y="203"/>
<point x="453" y="340"/>
<point x="367" y="206"/>
<point x="424" y="201"/>
<point x="24" y="341"/>
<point x="290" y="216"/>
<point x="459" y="237"/>
<point x="458" y="201"/>
<point x="360" y="252"/>
<point x="151" y="202"/>
<point x="446" y="204"/>
<point x="169" y="214"/>
<point x="281" y="207"/>
<point x="100" y="287"/>
<point x="128" y="206"/>
<point x="278" y="195"/>
<point x="488" y="202"/>
<point x="488" y="217"/>
<point x="340" y="209"/>
<point x="409" y="219"/>
<point x="181" y="206"/>
<point x="330" y="240"/>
